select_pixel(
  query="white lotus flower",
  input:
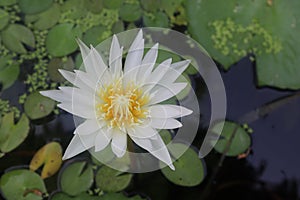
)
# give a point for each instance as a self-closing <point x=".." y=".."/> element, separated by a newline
<point x="117" y="102"/>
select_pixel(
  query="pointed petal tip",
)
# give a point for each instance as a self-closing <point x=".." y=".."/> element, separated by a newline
<point x="172" y="167"/>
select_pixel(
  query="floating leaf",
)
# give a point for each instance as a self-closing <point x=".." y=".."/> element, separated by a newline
<point x="37" y="106"/>
<point x="74" y="9"/>
<point x="189" y="168"/>
<point x="9" y="71"/>
<point x="7" y="2"/>
<point x="94" y="35"/>
<point x="111" y="180"/>
<point x="12" y="135"/>
<point x="58" y="63"/>
<point x="95" y="6"/>
<point x="34" y="6"/>
<point x="151" y="6"/>
<point x="22" y="184"/>
<point x="270" y="31"/>
<point x="175" y="11"/>
<point x="240" y="142"/>
<point x="4" y="18"/>
<point x="82" y="196"/>
<point x="120" y="196"/>
<point x="76" y="178"/>
<point x="158" y="19"/>
<point x="117" y="27"/>
<point x="166" y="136"/>
<point x="15" y="36"/>
<point x="46" y="19"/>
<point x="50" y="155"/>
<point x="130" y="12"/>
<point x="112" y="4"/>
<point x="60" y="40"/>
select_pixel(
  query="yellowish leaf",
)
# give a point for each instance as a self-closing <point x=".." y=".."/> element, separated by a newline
<point x="50" y="155"/>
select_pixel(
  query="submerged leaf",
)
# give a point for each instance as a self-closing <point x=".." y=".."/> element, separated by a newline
<point x="130" y="12"/>
<point x="58" y="63"/>
<point x="50" y="155"/>
<point x="12" y="135"/>
<point x="22" y="184"/>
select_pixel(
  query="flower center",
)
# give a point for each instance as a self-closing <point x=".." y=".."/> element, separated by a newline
<point x="122" y="107"/>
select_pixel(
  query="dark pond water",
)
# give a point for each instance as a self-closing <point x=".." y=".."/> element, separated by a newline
<point x="271" y="171"/>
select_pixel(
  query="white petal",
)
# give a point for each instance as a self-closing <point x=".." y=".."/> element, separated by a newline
<point x="98" y="64"/>
<point x="102" y="140"/>
<point x="156" y="147"/>
<point x="72" y="78"/>
<point x="89" y="126"/>
<point x="175" y="71"/>
<point x="135" y="53"/>
<point x="142" y="131"/>
<point x="56" y="95"/>
<point x="168" y="111"/>
<point x="83" y="111"/>
<point x="88" y="79"/>
<point x="119" y="143"/>
<point x="115" y="57"/>
<point x="164" y="123"/>
<point x="166" y="92"/>
<point x="83" y="49"/>
<point x="79" y="144"/>
<point x="148" y="62"/>
<point x="157" y="74"/>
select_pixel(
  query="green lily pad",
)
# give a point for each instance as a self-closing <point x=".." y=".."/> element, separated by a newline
<point x="158" y="19"/>
<point x="9" y="71"/>
<point x="58" y="63"/>
<point x="112" y="4"/>
<point x="74" y="9"/>
<point x="175" y="11"/>
<point x="166" y="136"/>
<point x="22" y="184"/>
<point x="82" y="196"/>
<point x="130" y="12"/>
<point x="120" y="196"/>
<point x="111" y="180"/>
<point x="60" y="40"/>
<point x="46" y="19"/>
<point x="151" y="6"/>
<point x="12" y="135"/>
<point x="269" y="30"/>
<point x="34" y="6"/>
<point x="4" y="18"/>
<point x="164" y="54"/>
<point x="240" y="142"/>
<point x="37" y="106"/>
<point x="94" y="35"/>
<point x="118" y="27"/>
<point x="95" y="6"/>
<point x="7" y="2"/>
<point x="104" y="156"/>
<point x="15" y="36"/>
<point x="76" y="178"/>
<point x="189" y="168"/>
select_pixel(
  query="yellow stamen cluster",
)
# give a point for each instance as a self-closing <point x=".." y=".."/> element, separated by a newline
<point x="122" y="107"/>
